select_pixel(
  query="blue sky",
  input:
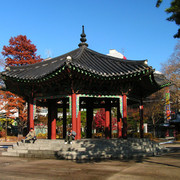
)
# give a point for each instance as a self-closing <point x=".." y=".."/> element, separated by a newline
<point x="135" y="27"/>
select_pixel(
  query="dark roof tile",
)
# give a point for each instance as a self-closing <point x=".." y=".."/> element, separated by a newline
<point x="82" y="58"/>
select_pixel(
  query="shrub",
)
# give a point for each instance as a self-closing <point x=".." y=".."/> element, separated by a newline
<point x="2" y="133"/>
<point x="178" y="137"/>
<point x="148" y="135"/>
<point x="59" y="136"/>
<point x="98" y="135"/>
<point x="83" y="134"/>
<point x="137" y="135"/>
<point x="42" y="136"/>
<point x="114" y="135"/>
<point x="130" y="134"/>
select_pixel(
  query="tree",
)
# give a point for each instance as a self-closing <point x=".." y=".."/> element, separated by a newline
<point x="19" y="52"/>
<point x="171" y="69"/>
<point x="2" y="63"/>
<point x="133" y="119"/>
<point x="154" y="109"/>
<point x="99" y="119"/>
<point x="175" y="10"/>
<point x="114" y="118"/>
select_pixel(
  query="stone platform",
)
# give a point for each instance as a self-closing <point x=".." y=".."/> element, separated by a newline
<point x="87" y="149"/>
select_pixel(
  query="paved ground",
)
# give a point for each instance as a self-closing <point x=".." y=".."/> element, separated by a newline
<point x="164" y="167"/>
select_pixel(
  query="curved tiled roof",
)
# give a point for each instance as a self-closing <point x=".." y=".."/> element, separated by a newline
<point x="82" y="58"/>
<point x="160" y="79"/>
<point x="83" y="71"/>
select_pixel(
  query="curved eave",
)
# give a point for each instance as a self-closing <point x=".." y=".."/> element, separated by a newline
<point x="84" y="61"/>
<point x="34" y="80"/>
<point x="161" y="80"/>
<point x="34" y="72"/>
<point x="110" y="76"/>
<point x="83" y="71"/>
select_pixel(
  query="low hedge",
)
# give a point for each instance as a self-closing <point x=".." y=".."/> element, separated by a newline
<point x="137" y="135"/>
<point x="41" y="136"/>
<point x="178" y="137"/>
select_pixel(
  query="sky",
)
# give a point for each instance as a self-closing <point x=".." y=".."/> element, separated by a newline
<point x="135" y="28"/>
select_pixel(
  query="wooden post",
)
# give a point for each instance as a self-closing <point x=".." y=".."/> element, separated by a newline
<point x="64" y="118"/>
<point x="78" y="126"/>
<point x="30" y="115"/>
<point x="53" y="122"/>
<point x="52" y="116"/>
<point x="73" y="99"/>
<point x="108" y="119"/>
<point x="89" y="118"/>
<point x="119" y="122"/>
<point x="49" y="120"/>
<point x="124" y="116"/>
<point x="141" y="119"/>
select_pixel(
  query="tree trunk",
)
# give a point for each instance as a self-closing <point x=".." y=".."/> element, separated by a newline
<point x="154" y="126"/>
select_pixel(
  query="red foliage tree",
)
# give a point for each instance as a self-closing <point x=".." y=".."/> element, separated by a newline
<point x="114" y="124"/>
<point x="9" y="103"/>
<point x="99" y="119"/>
<point x="19" y="52"/>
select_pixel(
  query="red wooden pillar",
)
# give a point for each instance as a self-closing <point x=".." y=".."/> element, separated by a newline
<point x="52" y="116"/>
<point x="119" y="122"/>
<point x="30" y="115"/>
<point x="141" y="119"/>
<point x="53" y="122"/>
<point x="89" y="117"/>
<point x="64" y="118"/>
<point x="73" y="101"/>
<point x="78" y="126"/>
<point x="167" y="133"/>
<point x="119" y="126"/>
<point x="107" y="119"/>
<point x="124" y="116"/>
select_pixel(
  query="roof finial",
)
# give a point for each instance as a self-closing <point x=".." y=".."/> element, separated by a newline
<point x="83" y="39"/>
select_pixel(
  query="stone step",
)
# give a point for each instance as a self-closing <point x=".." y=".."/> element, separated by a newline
<point x="43" y="156"/>
<point x="88" y="148"/>
<point x="10" y="154"/>
<point x="73" y="148"/>
<point x="17" y="151"/>
<point x="74" y="155"/>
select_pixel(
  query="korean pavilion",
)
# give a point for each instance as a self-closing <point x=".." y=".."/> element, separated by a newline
<point x="84" y="79"/>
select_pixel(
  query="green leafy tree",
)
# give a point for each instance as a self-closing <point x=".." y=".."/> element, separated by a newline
<point x="83" y="118"/>
<point x="174" y="9"/>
